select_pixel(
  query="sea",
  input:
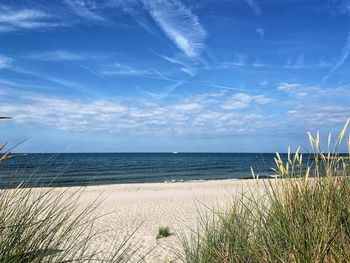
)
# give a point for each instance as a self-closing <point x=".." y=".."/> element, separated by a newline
<point x="82" y="169"/>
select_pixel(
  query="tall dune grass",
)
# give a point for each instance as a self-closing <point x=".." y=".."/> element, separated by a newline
<point x="47" y="225"/>
<point x="303" y="216"/>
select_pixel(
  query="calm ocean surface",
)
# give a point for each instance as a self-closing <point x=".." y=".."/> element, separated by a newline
<point x="75" y="169"/>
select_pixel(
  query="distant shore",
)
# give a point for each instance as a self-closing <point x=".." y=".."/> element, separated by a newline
<point x="151" y="205"/>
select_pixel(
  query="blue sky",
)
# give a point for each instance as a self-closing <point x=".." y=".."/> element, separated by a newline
<point x="171" y="75"/>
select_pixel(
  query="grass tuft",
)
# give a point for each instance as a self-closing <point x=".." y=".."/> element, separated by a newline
<point x="302" y="216"/>
<point x="163" y="232"/>
<point x="47" y="225"/>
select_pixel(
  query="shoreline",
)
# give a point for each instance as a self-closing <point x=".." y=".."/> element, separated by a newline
<point x="146" y="185"/>
<point x="166" y="182"/>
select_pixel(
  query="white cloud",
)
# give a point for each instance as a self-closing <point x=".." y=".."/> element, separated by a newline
<point x="264" y="83"/>
<point x="13" y="19"/>
<point x="288" y="86"/>
<point x="260" y="32"/>
<point x="262" y="99"/>
<point x="237" y="101"/>
<point x="243" y="101"/>
<point x="207" y="114"/>
<point x="314" y="93"/>
<point x="198" y="114"/>
<point x="5" y="62"/>
<point x="187" y="107"/>
<point x="319" y="116"/>
<point x="179" y="24"/>
<point x="301" y="94"/>
<point x="215" y="122"/>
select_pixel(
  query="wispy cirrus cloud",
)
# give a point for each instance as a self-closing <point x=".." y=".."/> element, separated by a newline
<point x="139" y="14"/>
<point x="188" y="66"/>
<point x="5" y="62"/>
<point x="85" y="9"/>
<point x="124" y="70"/>
<point x="242" y="60"/>
<point x="341" y="6"/>
<point x="341" y="59"/>
<point x="166" y="92"/>
<point x="254" y="6"/>
<point x="172" y="60"/>
<point x="239" y="59"/>
<point x="25" y="19"/>
<point x="344" y="55"/>
<point x="189" y="71"/>
<point x="296" y="64"/>
<point x="45" y="82"/>
<point x="55" y="55"/>
<point x="299" y="62"/>
<point x="179" y="24"/>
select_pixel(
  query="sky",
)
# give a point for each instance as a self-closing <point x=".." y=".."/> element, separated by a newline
<point x="172" y="75"/>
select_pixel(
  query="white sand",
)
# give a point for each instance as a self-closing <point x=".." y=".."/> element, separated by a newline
<point x="152" y="205"/>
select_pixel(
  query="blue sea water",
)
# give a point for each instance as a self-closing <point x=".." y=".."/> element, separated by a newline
<point x="76" y="169"/>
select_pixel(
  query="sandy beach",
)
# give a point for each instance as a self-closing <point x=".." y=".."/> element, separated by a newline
<point x="151" y="205"/>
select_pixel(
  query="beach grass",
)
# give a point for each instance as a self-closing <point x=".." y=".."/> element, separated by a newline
<point x="48" y="225"/>
<point x="302" y="216"/>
